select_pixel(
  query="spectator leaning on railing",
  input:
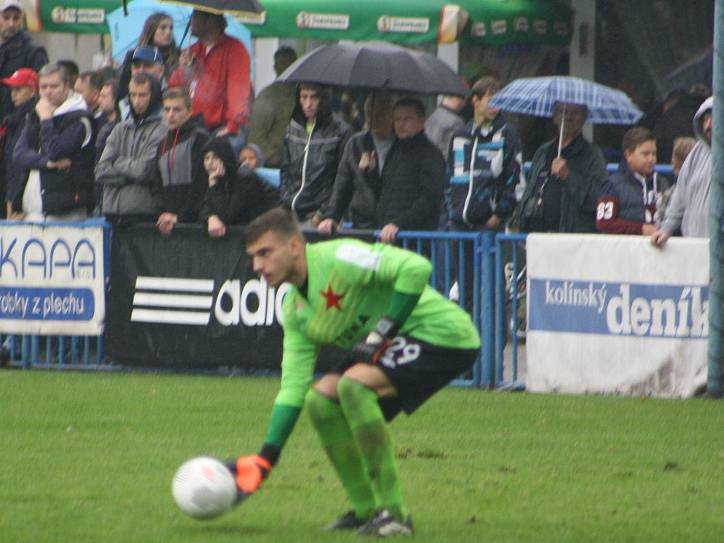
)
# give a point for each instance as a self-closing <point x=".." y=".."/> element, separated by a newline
<point x="689" y="206"/>
<point x="358" y="182"/>
<point x="413" y="176"/>
<point x="233" y="196"/>
<point x="627" y="202"/>
<point x="180" y="180"/>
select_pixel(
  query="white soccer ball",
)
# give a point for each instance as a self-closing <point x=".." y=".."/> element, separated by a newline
<point x="203" y="487"/>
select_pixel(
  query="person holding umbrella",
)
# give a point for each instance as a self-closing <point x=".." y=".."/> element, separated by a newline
<point x="565" y="178"/>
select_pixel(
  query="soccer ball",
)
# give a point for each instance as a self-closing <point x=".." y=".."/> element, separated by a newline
<point x="203" y="487"/>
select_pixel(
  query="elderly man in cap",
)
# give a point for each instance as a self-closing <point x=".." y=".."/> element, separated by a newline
<point x="17" y="49"/>
<point x="146" y="59"/>
<point x="23" y="85"/>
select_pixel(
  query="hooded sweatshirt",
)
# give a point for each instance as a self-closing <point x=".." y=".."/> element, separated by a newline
<point x="180" y="180"/>
<point x="240" y="195"/>
<point x="127" y="165"/>
<point x="689" y="206"/>
<point x="68" y="134"/>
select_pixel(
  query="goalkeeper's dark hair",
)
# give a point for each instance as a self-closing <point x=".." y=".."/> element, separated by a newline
<point x="280" y="220"/>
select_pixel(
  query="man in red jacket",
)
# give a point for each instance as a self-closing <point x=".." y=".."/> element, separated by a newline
<point x="216" y="70"/>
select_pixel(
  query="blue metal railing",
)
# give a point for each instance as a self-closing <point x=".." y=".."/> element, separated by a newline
<point x="510" y="291"/>
<point x="466" y="260"/>
<point x="449" y="253"/>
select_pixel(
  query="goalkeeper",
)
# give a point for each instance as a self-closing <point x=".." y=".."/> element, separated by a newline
<point x="406" y="342"/>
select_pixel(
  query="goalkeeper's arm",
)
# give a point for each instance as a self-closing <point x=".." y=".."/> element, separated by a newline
<point x="409" y="273"/>
<point x="298" y="362"/>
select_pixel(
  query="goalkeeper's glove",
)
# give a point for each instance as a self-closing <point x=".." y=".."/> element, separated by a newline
<point x="370" y="350"/>
<point x="249" y="472"/>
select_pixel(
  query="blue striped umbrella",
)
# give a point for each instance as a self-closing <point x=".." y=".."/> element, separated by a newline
<point x="538" y="95"/>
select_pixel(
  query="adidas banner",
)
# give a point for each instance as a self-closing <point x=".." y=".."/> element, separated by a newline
<point x="191" y="302"/>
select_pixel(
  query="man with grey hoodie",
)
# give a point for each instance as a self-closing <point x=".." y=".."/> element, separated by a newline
<point x="127" y="165"/>
<point x="689" y="205"/>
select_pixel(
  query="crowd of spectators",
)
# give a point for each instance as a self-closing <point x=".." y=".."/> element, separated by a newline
<point x="174" y="136"/>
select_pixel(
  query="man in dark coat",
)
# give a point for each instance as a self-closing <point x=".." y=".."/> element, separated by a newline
<point x="23" y="86"/>
<point x="413" y="175"/>
<point x="17" y="49"/>
<point x="358" y="182"/>
<point x="563" y="188"/>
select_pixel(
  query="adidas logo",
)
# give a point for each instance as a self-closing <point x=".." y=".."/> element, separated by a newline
<point x="172" y="301"/>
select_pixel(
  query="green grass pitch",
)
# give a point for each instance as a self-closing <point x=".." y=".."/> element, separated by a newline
<point x="89" y="457"/>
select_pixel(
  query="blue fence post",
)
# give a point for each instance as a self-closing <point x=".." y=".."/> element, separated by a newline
<point x="487" y="260"/>
<point x="499" y="311"/>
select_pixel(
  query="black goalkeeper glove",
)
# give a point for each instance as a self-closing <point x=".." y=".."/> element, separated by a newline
<point x="370" y="350"/>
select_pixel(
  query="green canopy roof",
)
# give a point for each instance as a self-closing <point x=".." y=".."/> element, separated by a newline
<point x="490" y="22"/>
<point x="481" y="22"/>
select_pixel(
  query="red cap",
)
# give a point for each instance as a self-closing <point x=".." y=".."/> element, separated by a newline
<point x="24" y="77"/>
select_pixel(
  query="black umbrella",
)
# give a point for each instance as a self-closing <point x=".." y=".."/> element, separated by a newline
<point x="375" y="65"/>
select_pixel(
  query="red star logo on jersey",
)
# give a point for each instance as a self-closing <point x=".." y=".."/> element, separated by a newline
<point x="331" y="299"/>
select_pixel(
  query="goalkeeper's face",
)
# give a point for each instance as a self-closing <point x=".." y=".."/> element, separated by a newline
<point x="278" y="259"/>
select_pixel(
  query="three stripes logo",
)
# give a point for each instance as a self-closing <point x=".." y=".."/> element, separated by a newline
<point x="172" y="301"/>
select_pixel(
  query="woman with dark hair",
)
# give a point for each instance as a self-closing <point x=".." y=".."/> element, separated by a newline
<point x="157" y="32"/>
<point x="234" y="196"/>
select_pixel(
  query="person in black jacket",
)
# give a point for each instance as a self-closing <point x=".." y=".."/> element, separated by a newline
<point x="413" y="175"/>
<point x="17" y="49"/>
<point x="180" y="180"/>
<point x="233" y="196"/>
<point x="24" y="92"/>
<point x="358" y="184"/>
<point x="313" y="148"/>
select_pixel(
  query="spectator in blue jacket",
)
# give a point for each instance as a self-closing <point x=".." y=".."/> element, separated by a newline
<point x="485" y="162"/>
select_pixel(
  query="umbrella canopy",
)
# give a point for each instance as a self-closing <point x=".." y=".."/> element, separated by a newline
<point x="538" y="95"/>
<point x="125" y="29"/>
<point x="375" y="65"/>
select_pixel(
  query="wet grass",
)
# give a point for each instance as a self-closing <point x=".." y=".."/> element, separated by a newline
<point x="89" y="458"/>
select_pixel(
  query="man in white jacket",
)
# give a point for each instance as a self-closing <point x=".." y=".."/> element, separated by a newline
<point x="689" y="207"/>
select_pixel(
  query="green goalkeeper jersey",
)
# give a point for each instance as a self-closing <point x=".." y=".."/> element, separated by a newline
<point x="349" y="287"/>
